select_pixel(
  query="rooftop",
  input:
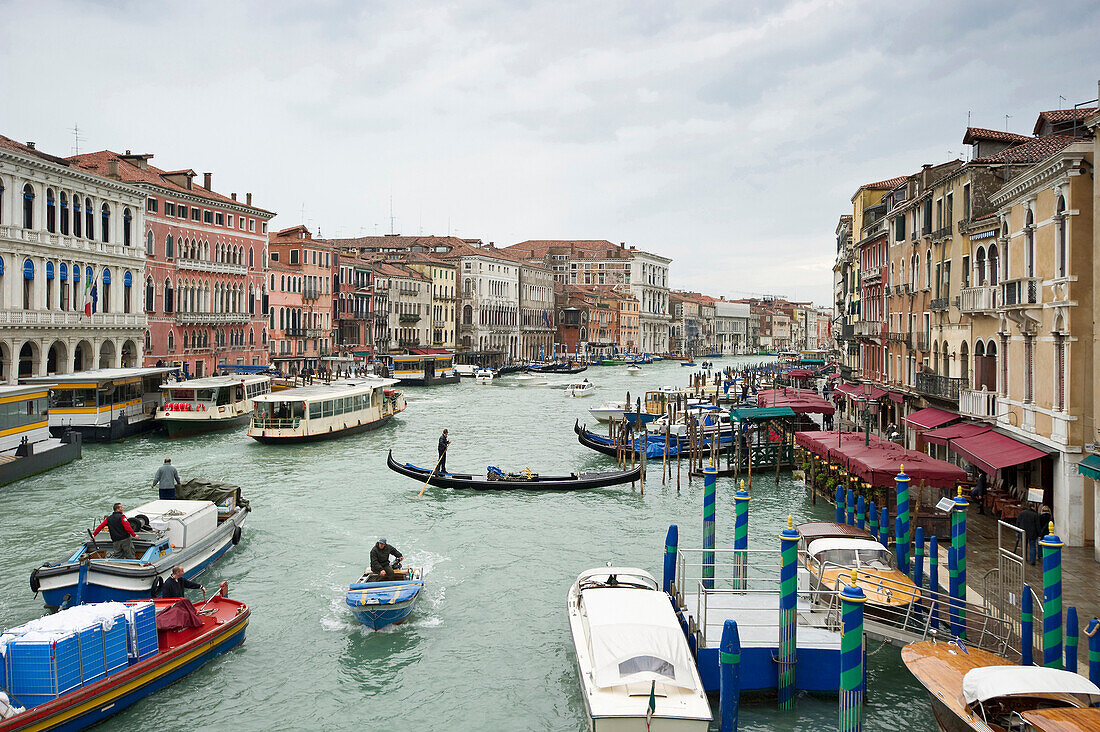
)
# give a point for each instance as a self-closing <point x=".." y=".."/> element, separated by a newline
<point x="1032" y="151"/>
<point x="978" y="134"/>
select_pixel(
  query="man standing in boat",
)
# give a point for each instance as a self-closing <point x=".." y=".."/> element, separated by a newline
<point x="177" y="583"/>
<point x="122" y="535"/>
<point x="443" y="442"/>
<point x="168" y="479"/>
<point x="380" y="560"/>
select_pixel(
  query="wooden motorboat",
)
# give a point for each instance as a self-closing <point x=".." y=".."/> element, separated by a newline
<point x="833" y="550"/>
<point x="630" y="649"/>
<point x="129" y="658"/>
<point x="497" y="480"/>
<point x="377" y="603"/>
<point x="580" y="389"/>
<point x="976" y="691"/>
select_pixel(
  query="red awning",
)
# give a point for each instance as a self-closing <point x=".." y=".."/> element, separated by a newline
<point x="941" y="435"/>
<point x="878" y="462"/>
<point x="802" y="401"/>
<point x="896" y="397"/>
<point x="992" y="451"/>
<point x="930" y="418"/>
<point x="859" y="391"/>
<point x="800" y="373"/>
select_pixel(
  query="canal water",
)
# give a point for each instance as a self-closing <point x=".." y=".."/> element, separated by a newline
<point x="488" y="646"/>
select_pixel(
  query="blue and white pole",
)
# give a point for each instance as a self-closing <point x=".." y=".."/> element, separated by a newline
<point x="851" y="507"/>
<point x="884" y="527"/>
<point x="851" y="658"/>
<point x="1052" y="599"/>
<point x="872" y="514"/>
<point x="710" y="481"/>
<point x="729" y="677"/>
<point x="958" y="542"/>
<point x="788" y="618"/>
<point x="918" y="563"/>
<point x="861" y="512"/>
<point x="840" y="504"/>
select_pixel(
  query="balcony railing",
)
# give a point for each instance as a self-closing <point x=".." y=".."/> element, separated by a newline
<point x="316" y="332"/>
<point x="921" y="341"/>
<point x="943" y="232"/>
<point x="871" y="273"/>
<point x="869" y="328"/>
<point x="408" y="318"/>
<point x="942" y="387"/>
<point x="408" y="343"/>
<point x="905" y="338"/>
<point x="55" y="318"/>
<point x="211" y="318"/>
<point x="1020" y="293"/>
<point x="201" y="265"/>
<point x="845" y="331"/>
<point x="978" y="404"/>
<point x="906" y="288"/>
<point x="311" y="293"/>
<point x="938" y="305"/>
<point x="295" y="332"/>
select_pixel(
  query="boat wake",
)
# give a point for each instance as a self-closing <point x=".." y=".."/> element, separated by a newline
<point x="339" y="618"/>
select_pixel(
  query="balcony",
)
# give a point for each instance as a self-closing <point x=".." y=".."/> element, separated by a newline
<point x="926" y="230"/>
<point x="978" y="404"/>
<point x="938" y="305"/>
<point x="905" y="338"/>
<point x="869" y="328"/>
<point x="408" y="318"/>
<point x="1020" y="293"/>
<point x="871" y="273"/>
<point x="311" y="293"/>
<point x="70" y="319"/>
<point x="316" y="332"/>
<point x="921" y="342"/>
<point x="939" y="387"/>
<point x="72" y="243"/>
<point x="942" y="233"/>
<point x="846" y="331"/>
<point x="906" y="288"/>
<point x="408" y="343"/>
<point x="295" y="332"/>
<point x="211" y="318"/>
<point x="199" y="265"/>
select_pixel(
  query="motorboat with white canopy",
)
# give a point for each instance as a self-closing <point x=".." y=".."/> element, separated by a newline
<point x="629" y="646"/>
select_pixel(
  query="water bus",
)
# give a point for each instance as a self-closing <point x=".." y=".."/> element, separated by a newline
<point x="324" y="411"/>
<point x="26" y="447"/>
<point x="210" y="404"/>
<point x="104" y="404"/>
<point x="424" y="370"/>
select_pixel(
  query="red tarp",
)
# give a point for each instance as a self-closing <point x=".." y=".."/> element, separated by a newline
<point x="941" y="435"/>
<point x="859" y="391"/>
<point x="992" y="451"/>
<point x="880" y="461"/>
<point x="930" y="418"/>
<point x="801" y="401"/>
<point x="179" y="616"/>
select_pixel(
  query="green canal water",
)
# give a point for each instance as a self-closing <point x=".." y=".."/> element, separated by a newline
<point x="488" y="646"/>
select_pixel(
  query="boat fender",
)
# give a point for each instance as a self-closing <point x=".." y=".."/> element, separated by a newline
<point x="35" y="581"/>
<point x="236" y="535"/>
<point x="158" y="583"/>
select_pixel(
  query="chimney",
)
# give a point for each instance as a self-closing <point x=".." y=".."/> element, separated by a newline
<point x="925" y="180"/>
<point x="206" y="177"/>
<point x="233" y="196"/>
<point x="248" y="199"/>
<point x="112" y="169"/>
<point x="127" y="152"/>
<point x="30" y="145"/>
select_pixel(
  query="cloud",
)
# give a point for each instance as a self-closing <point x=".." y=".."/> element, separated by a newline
<point x="728" y="136"/>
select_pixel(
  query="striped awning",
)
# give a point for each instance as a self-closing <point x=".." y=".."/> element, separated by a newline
<point x="1090" y="467"/>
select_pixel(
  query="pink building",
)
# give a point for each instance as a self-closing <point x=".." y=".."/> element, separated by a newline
<point x="204" y="271"/>
<point x="300" y="321"/>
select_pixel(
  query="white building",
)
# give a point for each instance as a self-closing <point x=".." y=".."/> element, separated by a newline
<point x="731" y="327"/>
<point x="649" y="284"/>
<point x="536" y="312"/>
<point x="489" y="298"/>
<point x="66" y="234"/>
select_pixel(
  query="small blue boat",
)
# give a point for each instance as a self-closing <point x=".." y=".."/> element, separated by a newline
<point x="378" y="604"/>
<point x="687" y="363"/>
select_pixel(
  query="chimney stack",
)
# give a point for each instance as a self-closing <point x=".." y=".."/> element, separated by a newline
<point x="206" y="178"/>
<point x="233" y="196"/>
<point x="112" y="169"/>
<point x="248" y="199"/>
<point x="30" y="145"/>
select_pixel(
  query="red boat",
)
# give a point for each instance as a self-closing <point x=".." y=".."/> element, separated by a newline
<point x="221" y="626"/>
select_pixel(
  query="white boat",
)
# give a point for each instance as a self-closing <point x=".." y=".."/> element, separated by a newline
<point x="210" y="404"/>
<point x="465" y="370"/>
<point x="530" y="379"/>
<point x="633" y="370"/>
<point x="609" y="410"/>
<point x="483" y="376"/>
<point x="580" y="389"/>
<point x="323" y="411"/>
<point x="629" y="644"/>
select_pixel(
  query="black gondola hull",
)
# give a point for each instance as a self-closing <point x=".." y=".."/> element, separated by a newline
<point x="538" y="483"/>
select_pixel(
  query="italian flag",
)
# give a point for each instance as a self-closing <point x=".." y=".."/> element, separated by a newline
<point x="89" y="297"/>
<point x="652" y="703"/>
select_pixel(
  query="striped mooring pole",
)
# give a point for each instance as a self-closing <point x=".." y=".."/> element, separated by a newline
<point x="884" y="527"/>
<point x="851" y="507"/>
<point x="1052" y="599"/>
<point x="1094" y="650"/>
<point x="710" y="481"/>
<point x="1027" y="629"/>
<point x="788" y="619"/>
<point x="861" y="512"/>
<point x="958" y="546"/>
<point x="741" y="538"/>
<point x="934" y="580"/>
<point x="729" y="677"/>
<point x="672" y="540"/>
<point x="901" y="484"/>
<point x="1072" y="635"/>
<point x="851" y="658"/>
<point x="840" y="504"/>
<point x="918" y="562"/>
<point x="872" y="514"/>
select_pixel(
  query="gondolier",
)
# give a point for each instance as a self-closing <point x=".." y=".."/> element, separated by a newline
<point x="122" y="535"/>
<point x="443" y="442"/>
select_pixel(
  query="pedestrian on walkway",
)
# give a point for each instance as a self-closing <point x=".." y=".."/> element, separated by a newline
<point x="1028" y="522"/>
<point x="977" y="493"/>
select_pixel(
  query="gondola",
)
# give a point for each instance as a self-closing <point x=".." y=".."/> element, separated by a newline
<point x="654" y="443"/>
<point x="529" y="481"/>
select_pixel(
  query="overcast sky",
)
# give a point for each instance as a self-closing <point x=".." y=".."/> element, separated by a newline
<point x="726" y="135"/>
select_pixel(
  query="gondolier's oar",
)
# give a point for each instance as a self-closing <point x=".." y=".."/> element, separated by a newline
<point x="437" y="462"/>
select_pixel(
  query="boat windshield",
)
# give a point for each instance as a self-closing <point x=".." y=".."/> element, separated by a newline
<point x="865" y="558"/>
<point x="642" y="664"/>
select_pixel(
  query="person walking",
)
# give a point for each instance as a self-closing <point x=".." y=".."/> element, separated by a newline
<point x="167" y="479"/>
<point x="443" y="442"/>
<point x="1028" y="522"/>
<point x="122" y="535"/>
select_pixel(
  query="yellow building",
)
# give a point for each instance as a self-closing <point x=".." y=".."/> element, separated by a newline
<point x="442" y="275"/>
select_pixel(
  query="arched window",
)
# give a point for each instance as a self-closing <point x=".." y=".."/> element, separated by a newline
<point x="964" y="364"/>
<point x="105" y="296"/>
<point x="51" y="212"/>
<point x="251" y="261"/>
<point x="89" y="219"/>
<point x="168" y="301"/>
<point x="105" y="223"/>
<point x="263" y="338"/>
<point x="928" y="269"/>
<point x="282" y="318"/>
<point x="28" y="206"/>
<point x="149" y="295"/>
<point x="127" y="219"/>
<point x="169" y="250"/>
<point x="915" y="274"/>
<point x="251" y="337"/>
<point x="994" y="271"/>
<point x="148" y="342"/>
<point x="127" y="291"/>
<point x="979" y="266"/>
<point x="1029" y="243"/>
<point x="64" y="211"/>
<point x="77" y="218"/>
<point x="1" y="200"/>
<point x="171" y="342"/>
<point x="1060" y="249"/>
<point x="251" y="300"/>
<point x="28" y="284"/>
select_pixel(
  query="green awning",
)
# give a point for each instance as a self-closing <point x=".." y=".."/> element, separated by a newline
<point x="1090" y="467"/>
<point x="756" y="414"/>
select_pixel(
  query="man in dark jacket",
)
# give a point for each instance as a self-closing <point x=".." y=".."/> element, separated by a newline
<point x="380" y="561"/>
<point x="1028" y="522"/>
<point x="177" y="583"/>
<point x="443" y="442"/>
<point x="122" y="536"/>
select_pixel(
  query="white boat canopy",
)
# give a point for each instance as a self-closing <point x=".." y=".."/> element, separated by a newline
<point x="817" y="546"/>
<point x="989" y="682"/>
<point x="633" y="637"/>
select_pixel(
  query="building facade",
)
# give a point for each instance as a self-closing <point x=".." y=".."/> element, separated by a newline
<point x="536" y="312"/>
<point x="300" y="282"/>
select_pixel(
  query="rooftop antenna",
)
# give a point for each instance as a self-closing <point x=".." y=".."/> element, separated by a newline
<point x="1007" y="117"/>
<point x="302" y="213"/>
<point x="77" y="139"/>
<point x="1061" y="99"/>
<point x="968" y="118"/>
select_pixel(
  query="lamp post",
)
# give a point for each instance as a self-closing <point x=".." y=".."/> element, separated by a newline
<point x="870" y="409"/>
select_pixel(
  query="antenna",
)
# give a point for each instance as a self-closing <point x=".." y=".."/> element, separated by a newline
<point x="302" y="213"/>
<point x="1060" y="100"/>
<point x="77" y="139"/>
<point x="1007" y="118"/>
<point x="968" y="118"/>
<point x="391" y="214"/>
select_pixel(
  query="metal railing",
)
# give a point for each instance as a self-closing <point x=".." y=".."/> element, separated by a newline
<point x="272" y="423"/>
<point x="943" y="232"/>
<point x="944" y="387"/>
<point x="905" y="338"/>
<point x="978" y="403"/>
<point x="1020" y="292"/>
<point x="409" y="318"/>
<point x="938" y="305"/>
<point x="311" y="293"/>
<point x="922" y="342"/>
